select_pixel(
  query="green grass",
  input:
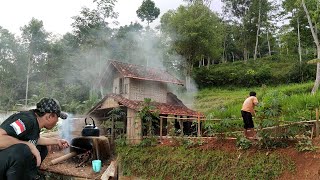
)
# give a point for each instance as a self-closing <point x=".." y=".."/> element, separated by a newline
<point x="292" y="102"/>
<point x="296" y="101"/>
<point x="181" y="163"/>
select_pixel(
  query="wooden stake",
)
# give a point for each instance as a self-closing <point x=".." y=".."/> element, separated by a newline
<point x="161" y="121"/>
<point x="199" y="133"/>
<point x="317" y="122"/>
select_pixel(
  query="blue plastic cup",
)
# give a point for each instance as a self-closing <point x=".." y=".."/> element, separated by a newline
<point x="96" y="165"/>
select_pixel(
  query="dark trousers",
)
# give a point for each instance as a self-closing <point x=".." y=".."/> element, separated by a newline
<point x="18" y="163"/>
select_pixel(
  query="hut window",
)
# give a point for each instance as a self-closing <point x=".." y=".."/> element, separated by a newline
<point x="121" y="86"/>
<point x="126" y="88"/>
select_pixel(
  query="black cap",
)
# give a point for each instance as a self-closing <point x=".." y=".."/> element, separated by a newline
<point x="50" y="105"/>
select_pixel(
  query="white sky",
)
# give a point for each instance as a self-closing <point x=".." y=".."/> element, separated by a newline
<point x="56" y="14"/>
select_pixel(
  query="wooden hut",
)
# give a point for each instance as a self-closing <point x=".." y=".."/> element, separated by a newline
<point x="131" y="84"/>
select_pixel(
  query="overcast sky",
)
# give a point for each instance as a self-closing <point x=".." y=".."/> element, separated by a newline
<point x="56" y="14"/>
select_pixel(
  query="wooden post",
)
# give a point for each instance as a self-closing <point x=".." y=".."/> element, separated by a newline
<point x="199" y="133"/>
<point x="161" y="121"/>
<point x="112" y="130"/>
<point x="317" y="122"/>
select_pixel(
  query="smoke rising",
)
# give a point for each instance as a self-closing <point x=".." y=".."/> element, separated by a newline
<point x="66" y="127"/>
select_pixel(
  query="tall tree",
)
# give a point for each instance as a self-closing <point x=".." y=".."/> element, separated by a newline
<point x="196" y="34"/>
<point x="258" y="30"/>
<point x="148" y="11"/>
<point x="35" y="40"/>
<point x="126" y="42"/>
<point x="204" y="2"/>
<point x="314" y="31"/>
<point x="9" y="71"/>
<point x="252" y="15"/>
<point x="93" y="34"/>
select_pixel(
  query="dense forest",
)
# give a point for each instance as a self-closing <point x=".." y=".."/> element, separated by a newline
<point x="250" y="44"/>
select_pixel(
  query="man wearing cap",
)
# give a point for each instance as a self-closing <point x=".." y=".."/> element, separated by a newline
<point x="21" y="148"/>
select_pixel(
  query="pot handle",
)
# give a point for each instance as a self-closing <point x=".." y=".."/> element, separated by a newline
<point x="85" y="120"/>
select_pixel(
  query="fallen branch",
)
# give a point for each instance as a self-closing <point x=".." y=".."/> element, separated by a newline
<point x="63" y="158"/>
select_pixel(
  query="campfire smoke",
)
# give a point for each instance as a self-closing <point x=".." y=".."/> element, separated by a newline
<point x="66" y="128"/>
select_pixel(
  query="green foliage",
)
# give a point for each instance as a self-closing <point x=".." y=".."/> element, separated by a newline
<point x="287" y="102"/>
<point x="149" y="141"/>
<point x="187" y="142"/>
<point x="253" y="73"/>
<point x="224" y="126"/>
<point x="185" y="163"/>
<point x="195" y="32"/>
<point x="121" y="141"/>
<point x="271" y="105"/>
<point x="243" y="143"/>
<point x="148" y="11"/>
<point x="112" y="121"/>
<point x="272" y="139"/>
<point x="148" y="114"/>
<point x="305" y="145"/>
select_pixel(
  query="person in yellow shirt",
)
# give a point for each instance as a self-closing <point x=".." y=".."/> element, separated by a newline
<point x="247" y="112"/>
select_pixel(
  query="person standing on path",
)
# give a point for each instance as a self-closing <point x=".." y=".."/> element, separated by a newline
<point x="247" y="112"/>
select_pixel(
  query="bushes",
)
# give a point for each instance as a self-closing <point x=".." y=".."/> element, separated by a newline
<point x="253" y="74"/>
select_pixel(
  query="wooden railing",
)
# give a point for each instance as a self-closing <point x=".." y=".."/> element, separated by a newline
<point x="198" y="119"/>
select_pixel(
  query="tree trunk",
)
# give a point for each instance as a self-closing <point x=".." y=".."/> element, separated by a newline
<point x="224" y="50"/>
<point x="257" y="36"/>
<point x="299" y="41"/>
<point x="317" y="81"/>
<point x="101" y="91"/>
<point x="203" y="61"/>
<point x="188" y="76"/>
<point x="269" y="47"/>
<point x="208" y="64"/>
<point x="232" y="56"/>
<point x="28" y="76"/>
<point x="245" y="55"/>
<point x="316" y="40"/>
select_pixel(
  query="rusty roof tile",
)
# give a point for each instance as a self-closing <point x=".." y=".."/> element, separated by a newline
<point x="144" y="73"/>
<point x="164" y="108"/>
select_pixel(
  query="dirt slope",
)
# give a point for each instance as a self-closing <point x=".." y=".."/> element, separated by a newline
<point x="307" y="163"/>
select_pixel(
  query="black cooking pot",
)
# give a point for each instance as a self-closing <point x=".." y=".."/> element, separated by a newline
<point x="81" y="145"/>
<point x="90" y="129"/>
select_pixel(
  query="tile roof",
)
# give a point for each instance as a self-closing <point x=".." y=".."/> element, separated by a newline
<point x="164" y="108"/>
<point x="144" y="73"/>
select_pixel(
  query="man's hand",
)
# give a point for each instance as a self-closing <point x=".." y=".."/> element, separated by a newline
<point x="62" y="143"/>
<point x="35" y="152"/>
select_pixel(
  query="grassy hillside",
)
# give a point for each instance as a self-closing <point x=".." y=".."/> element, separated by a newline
<point x="294" y="101"/>
<point x="180" y="163"/>
<point x="274" y="70"/>
<point x="202" y="160"/>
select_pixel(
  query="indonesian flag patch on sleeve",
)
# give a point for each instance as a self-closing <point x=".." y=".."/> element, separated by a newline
<point x="18" y="126"/>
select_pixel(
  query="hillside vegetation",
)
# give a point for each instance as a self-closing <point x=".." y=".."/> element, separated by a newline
<point x="201" y="159"/>
<point x="272" y="70"/>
